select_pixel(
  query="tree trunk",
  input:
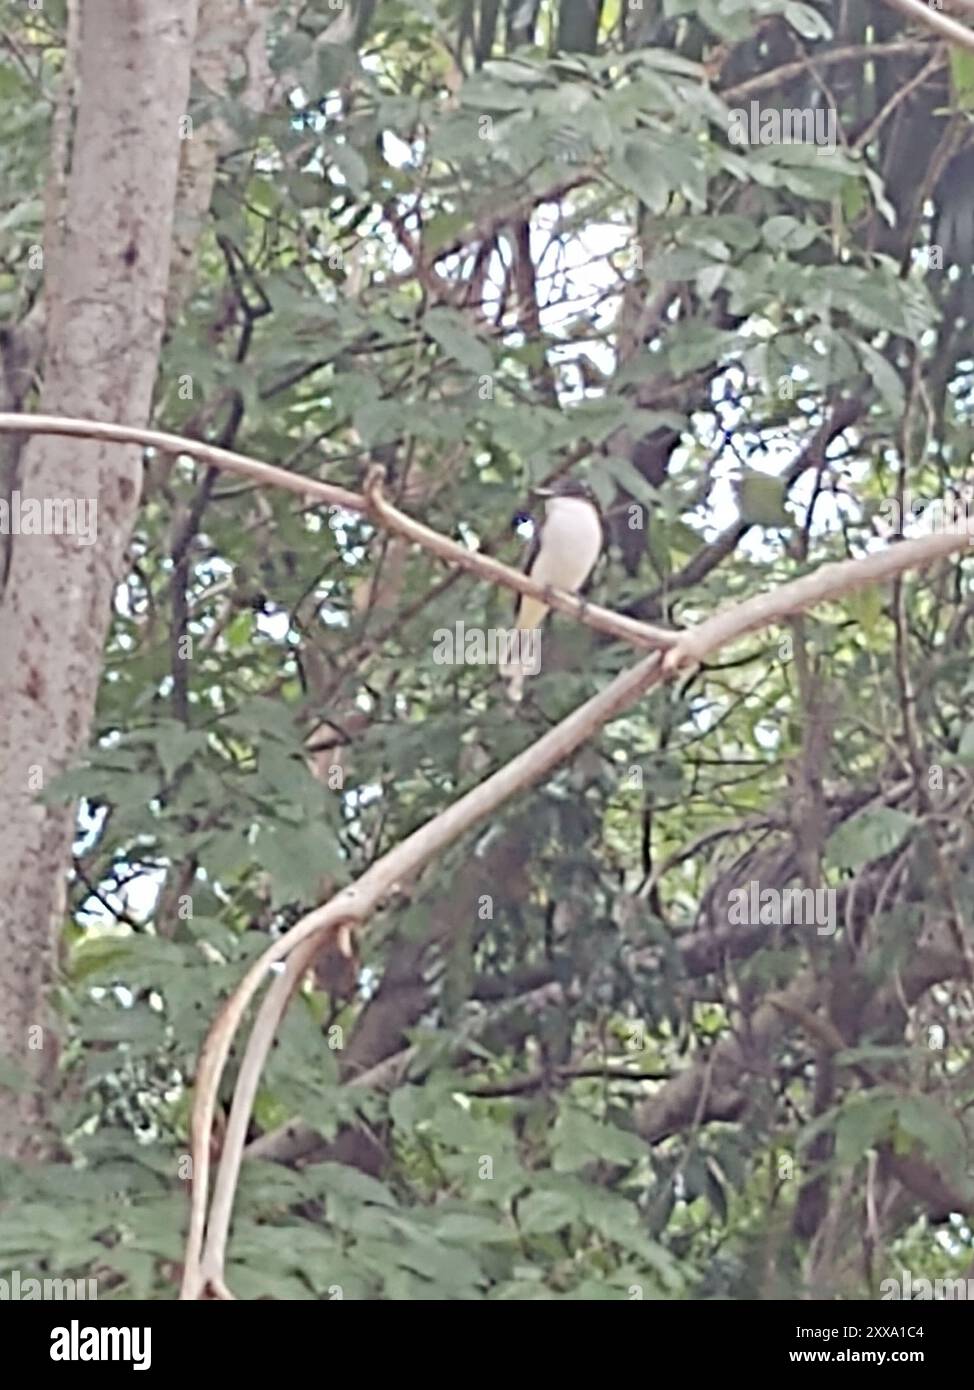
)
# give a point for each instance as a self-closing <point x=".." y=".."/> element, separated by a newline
<point x="105" y="314"/>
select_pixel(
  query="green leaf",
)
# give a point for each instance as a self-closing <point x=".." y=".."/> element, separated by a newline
<point x="470" y="1228"/>
<point x="261" y="716"/>
<point x="27" y="214"/>
<point x="349" y="1183"/>
<point x="762" y="500"/>
<point x="939" y="1133"/>
<point x="579" y="1139"/>
<point x="224" y="853"/>
<point x="871" y="835"/>
<point x="807" y="21"/>
<point x="175" y="745"/>
<point x="450" y="331"/>
<point x="867" y="607"/>
<point x="520" y="74"/>
<point x="297" y="858"/>
<point x="542" y="1213"/>
<point x="639" y="170"/>
<point x="885" y="377"/>
<point x="962" y="78"/>
<point x="785" y="233"/>
<point x="625" y="473"/>
<point x="351" y="166"/>
<point x="862" y="1123"/>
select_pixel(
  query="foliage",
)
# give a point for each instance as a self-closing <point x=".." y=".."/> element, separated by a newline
<point x="478" y="260"/>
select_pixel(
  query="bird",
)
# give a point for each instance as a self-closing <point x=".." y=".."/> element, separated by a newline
<point x="563" y="554"/>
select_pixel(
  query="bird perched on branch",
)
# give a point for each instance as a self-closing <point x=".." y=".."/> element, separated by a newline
<point x="562" y="554"/>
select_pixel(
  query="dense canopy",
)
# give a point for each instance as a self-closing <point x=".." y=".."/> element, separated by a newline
<point x="716" y="259"/>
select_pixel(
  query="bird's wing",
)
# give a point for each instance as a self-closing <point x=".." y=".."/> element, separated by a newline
<point x="528" y="612"/>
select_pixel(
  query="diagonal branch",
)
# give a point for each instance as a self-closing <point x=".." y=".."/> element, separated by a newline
<point x="349" y="908"/>
<point x="637" y="634"/>
<point x="776" y="77"/>
<point x="930" y="18"/>
<point x="830" y="582"/>
<point x="630" y="630"/>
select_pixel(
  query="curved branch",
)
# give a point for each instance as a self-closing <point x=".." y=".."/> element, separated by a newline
<point x="353" y="905"/>
<point x="350" y="908"/>
<point x="225" y="459"/>
<point x="636" y="633"/>
<point x="259" y="1043"/>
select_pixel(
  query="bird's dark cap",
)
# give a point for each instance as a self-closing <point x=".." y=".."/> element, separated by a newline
<point x="565" y="487"/>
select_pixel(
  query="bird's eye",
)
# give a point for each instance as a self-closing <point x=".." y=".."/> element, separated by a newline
<point x="519" y="519"/>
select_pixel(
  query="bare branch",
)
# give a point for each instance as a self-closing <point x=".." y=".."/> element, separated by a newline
<point x="942" y="24"/>
<point x="637" y="634"/>
<point x="630" y="630"/>
<point x="830" y="582"/>
<point x="776" y="76"/>
<point x="353" y="905"/>
<point x="171" y="444"/>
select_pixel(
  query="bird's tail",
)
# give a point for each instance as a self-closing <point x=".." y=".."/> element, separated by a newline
<point x="523" y="655"/>
<point x="515" y="683"/>
<point x="512" y="671"/>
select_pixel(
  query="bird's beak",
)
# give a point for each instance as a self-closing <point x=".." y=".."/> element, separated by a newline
<point x="543" y="491"/>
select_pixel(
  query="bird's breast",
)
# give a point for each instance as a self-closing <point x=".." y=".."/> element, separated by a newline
<point x="571" y="539"/>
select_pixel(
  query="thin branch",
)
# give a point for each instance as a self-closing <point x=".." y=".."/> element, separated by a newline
<point x="830" y="582"/>
<point x="224" y="459"/>
<point x="635" y="633"/>
<point x="269" y="1015"/>
<point x="876" y="124"/>
<point x="941" y="24"/>
<point x="797" y="67"/>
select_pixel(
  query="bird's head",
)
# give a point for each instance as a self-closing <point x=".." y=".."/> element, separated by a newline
<point x="566" y="487"/>
<point x="564" y="490"/>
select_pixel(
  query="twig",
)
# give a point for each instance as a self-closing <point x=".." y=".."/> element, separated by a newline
<point x="879" y="120"/>
<point x="777" y="76"/>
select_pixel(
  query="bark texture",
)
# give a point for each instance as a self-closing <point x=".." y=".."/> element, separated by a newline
<point x="105" y="315"/>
